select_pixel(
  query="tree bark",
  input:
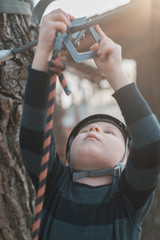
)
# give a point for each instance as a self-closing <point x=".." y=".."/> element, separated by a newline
<point x="16" y="191"/>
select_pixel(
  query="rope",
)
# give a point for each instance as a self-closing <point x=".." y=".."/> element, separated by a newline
<point x="97" y="19"/>
<point x="56" y="66"/>
<point x="24" y="47"/>
<point x="92" y="21"/>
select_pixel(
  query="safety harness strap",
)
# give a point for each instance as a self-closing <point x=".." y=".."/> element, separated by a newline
<point x="15" y="7"/>
<point x="39" y="10"/>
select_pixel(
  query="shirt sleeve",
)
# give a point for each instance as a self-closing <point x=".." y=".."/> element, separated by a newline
<point x="142" y="172"/>
<point x="33" y="125"/>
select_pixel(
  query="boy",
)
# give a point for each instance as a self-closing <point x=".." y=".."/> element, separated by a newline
<point x="102" y="207"/>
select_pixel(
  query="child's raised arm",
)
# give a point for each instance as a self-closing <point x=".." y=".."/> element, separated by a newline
<point x="109" y="61"/>
<point x="36" y="96"/>
<point x="55" y="21"/>
<point x="141" y="175"/>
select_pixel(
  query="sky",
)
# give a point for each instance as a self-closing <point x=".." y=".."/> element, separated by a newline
<point x="85" y="7"/>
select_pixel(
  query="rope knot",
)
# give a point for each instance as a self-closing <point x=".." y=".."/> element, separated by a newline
<point x="56" y="66"/>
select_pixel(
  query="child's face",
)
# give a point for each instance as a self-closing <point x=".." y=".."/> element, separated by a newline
<point x="98" y="145"/>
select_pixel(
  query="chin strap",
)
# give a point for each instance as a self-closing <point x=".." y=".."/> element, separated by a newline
<point x="115" y="171"/>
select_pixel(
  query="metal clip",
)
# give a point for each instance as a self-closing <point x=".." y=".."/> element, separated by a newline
<point x="71" y="40"/>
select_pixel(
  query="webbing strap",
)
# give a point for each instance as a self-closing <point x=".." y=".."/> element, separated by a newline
<point x="92" y="173"/>
<point x="39" y="10"/>
<point x="15" y="7"/>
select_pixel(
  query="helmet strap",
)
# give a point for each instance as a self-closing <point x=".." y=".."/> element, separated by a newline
<point x="115" y="171"/>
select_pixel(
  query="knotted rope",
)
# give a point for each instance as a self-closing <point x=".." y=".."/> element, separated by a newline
<point x="56" y="66"/>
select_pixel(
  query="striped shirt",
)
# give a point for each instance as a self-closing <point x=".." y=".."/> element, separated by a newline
<point x="74" y="211"/>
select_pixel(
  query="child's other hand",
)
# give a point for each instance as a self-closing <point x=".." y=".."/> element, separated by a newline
<point x="57" y="20"/>
<point x="109" y="60"/>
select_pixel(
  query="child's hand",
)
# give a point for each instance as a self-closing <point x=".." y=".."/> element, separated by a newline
<point x="56" y="20"/>
<point x="109" y="60"/>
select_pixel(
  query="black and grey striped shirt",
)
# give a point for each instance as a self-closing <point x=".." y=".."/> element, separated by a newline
<point x="74" y="211"/>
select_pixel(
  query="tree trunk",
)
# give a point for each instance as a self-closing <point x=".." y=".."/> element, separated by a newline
<point x="16" y="191"/>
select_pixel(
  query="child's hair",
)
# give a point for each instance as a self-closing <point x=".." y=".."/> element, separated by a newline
<point x="116" y="171"/>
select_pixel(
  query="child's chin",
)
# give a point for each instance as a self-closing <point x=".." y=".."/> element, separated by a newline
<point x="90" y="162"/>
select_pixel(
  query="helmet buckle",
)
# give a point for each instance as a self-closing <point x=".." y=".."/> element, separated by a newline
<point x="118" y="169"/>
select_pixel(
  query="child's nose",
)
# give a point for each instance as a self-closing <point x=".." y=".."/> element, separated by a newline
<point x="94" y="128"/>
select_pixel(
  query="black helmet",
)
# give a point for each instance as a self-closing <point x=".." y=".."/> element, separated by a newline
<point x="99" y="172"/>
